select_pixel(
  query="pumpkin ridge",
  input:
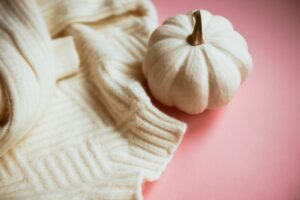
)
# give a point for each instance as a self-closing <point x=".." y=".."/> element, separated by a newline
<point x="227" y="86"/>
<point x="211" y="79"/>
<point x="161" y="56"/>
<point x="228" y="35"/>
<point x="170" y="81"/>
<point x="153" y="41"/>
<point x="201" y="51"/>
<point x="208" y="66"/>
<point x="241" y="63"/>
<point x="225" y="29"/>
<point x="175" y="26"/>
<point x="238" y="62"/>
<point x="179" y="32"/>
<point x="176" y="21"/>
<point x="185" y="65"/>
<point x="217" y="34"/>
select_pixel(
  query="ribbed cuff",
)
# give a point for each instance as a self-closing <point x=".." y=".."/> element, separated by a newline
<point x="153" y="138"/>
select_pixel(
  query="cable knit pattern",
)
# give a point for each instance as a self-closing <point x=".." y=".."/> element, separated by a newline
<point x="94" y="135"/>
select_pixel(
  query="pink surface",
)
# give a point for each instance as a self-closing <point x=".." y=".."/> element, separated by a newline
<point x="250" y="149"/>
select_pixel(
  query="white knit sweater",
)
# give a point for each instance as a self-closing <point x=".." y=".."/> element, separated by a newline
<point x="78" y="131"/>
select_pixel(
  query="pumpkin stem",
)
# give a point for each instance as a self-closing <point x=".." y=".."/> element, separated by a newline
<point x="196" y="37"/>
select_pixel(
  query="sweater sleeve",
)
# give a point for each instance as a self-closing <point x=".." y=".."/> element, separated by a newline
<point x="113" y="56"/>
<point x="26" y="73"/>
<point x="111" y="39"/>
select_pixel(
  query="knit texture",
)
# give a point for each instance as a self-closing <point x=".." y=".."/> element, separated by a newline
<point x="75" y="130"/>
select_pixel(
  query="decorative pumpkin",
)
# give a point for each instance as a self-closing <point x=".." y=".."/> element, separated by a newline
<point x="196" y="61"/>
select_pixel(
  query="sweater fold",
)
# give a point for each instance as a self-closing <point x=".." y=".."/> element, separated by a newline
<point x="26" y="70"/>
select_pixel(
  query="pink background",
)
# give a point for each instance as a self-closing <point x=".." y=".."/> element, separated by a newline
<point x="250" y="149"/>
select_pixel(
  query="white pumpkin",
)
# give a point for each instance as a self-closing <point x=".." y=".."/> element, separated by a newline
<point x="196" y="61"/>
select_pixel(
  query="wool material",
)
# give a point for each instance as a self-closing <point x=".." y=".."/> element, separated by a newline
<point x="76" y="121"/>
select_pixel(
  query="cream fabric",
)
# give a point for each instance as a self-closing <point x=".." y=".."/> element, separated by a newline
<point x="71" y="131"/>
